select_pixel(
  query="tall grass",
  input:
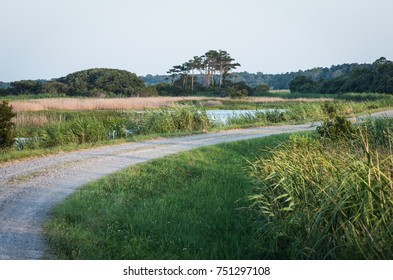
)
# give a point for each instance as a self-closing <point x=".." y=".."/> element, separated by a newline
<point x="180" y="119"/>
<point x="327" y="199"/>
<point x="51" y="129"/>
<point x="78" y="130"/>
<point x="259" y="118"/>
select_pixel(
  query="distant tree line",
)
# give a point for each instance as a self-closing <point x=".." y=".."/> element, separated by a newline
<point x="211" y="74"/>
<point x="4" y="85"/>
<point x="97" y="82"/>
<point x="274" y="81"/>
<point x="281" y="81"/>
<point x="354" y="77"/>
<point x="375" y="77"/>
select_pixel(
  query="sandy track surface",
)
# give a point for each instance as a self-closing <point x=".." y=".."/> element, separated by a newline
<point x="29" y="189"/>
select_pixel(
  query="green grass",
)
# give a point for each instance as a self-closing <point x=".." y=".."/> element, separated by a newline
<point x="185" y="206"/>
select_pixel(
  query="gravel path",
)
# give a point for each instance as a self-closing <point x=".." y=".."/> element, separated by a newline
<point x="30" y="188"/>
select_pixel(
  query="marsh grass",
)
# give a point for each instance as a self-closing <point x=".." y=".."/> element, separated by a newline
<point x="258" y="118"/>
<point x="179" y="119"/>
<point x="75" y="130"/>
<point x="326" y="198"/>
<point x="55" y="128"/>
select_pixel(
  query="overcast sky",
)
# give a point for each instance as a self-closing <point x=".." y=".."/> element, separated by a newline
<point x="44" y="39"/>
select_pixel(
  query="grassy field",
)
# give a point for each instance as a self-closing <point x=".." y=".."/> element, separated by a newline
<point x="281" y="197"/>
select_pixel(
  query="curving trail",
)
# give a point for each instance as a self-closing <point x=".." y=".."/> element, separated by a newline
<point x="30" y="188"/>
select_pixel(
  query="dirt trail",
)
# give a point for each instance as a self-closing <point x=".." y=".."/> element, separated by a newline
<point x="29" y="189"/>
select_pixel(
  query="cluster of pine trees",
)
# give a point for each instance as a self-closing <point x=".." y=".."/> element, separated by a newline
<point x="212" y="66"/>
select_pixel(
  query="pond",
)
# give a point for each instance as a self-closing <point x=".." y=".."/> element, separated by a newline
<point x="222" y="116"/>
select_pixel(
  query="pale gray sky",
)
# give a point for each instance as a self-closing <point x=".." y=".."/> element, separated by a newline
<point x="52" y="38"/>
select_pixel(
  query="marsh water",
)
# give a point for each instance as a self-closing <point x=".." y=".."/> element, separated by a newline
<point x="222" y="116"/>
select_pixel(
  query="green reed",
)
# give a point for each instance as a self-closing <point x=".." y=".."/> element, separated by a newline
<point x="326" y="199"/>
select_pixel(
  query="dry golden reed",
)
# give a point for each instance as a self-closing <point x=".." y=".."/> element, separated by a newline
<point x="80" y="104"/>
<point x="133" y="103"/>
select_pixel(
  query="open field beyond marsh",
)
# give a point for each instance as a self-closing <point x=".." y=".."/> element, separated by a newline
<point x="82" y="104"/>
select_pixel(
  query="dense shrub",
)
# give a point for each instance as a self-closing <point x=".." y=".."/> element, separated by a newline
<point x="233" y="92"/>
<point x="7" y="134"/>
<point x="336" y="125"/>
<point x="101" y="82"/>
